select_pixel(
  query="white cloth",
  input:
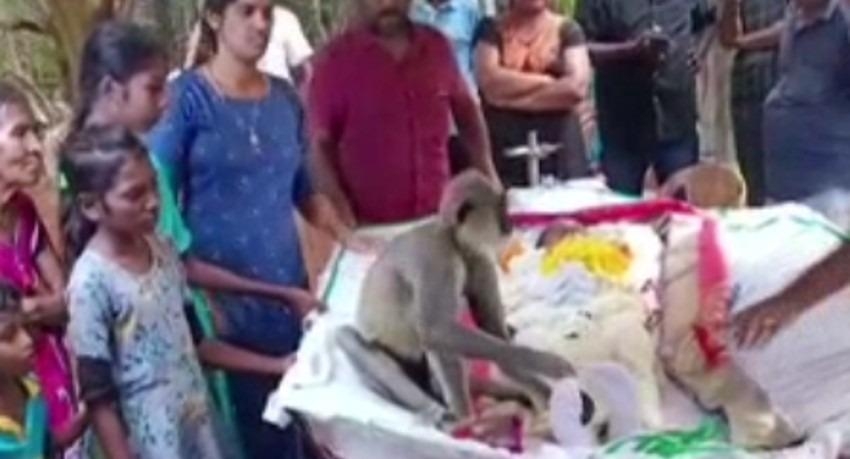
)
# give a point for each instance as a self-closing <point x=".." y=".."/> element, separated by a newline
<point x="326" y="389"/>
<point x="714" y="89"/>
<point x="767" y="250"/>
<point x="288" y="47"/>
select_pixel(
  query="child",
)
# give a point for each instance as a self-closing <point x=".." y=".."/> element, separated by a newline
<point x="138" y="373"/>
<point x="29" y="264"/>
<point x="23" y="412"/>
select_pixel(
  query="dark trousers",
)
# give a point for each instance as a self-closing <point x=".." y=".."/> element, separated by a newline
<point x="625" y="167"/>
<point x="271" y="330"/>
<point x="748" y="119"/>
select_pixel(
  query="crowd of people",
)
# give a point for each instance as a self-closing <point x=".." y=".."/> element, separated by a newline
<point x="182" y="188"/>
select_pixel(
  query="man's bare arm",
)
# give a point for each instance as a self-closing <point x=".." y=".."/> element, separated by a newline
<point x="325" y="175"/>
<point x="825" y="278"/>
<point x="732" y="30"/>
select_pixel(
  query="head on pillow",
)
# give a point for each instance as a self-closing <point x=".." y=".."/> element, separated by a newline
<point x="556" y="232"/>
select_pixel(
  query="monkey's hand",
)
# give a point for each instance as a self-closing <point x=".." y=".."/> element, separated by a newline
<point x="438" y="415"/>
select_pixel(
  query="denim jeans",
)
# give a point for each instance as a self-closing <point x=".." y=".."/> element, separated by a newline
<point x="625" y="166"/>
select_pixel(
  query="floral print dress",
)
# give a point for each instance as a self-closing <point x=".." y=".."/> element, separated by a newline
<point x="133" y="344"/>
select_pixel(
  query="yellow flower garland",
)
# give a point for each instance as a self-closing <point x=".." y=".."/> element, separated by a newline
<point x="601" y="257"/>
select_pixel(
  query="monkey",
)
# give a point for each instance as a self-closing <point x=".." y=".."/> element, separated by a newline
<point x="406" y="341"/>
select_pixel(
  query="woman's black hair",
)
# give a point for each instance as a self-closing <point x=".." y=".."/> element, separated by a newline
<point x="117" y="50"/>
<point x="91" y="159"/>
<point x="208" y="42"/>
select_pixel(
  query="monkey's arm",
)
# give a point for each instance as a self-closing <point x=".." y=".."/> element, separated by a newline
<point x="485" y="303"/>
<point x="435" y="301"/>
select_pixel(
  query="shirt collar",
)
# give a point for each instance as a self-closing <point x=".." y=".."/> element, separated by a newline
<point x="825" y="15"/>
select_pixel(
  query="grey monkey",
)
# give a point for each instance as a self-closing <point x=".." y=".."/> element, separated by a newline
<point x="407" y="342"/>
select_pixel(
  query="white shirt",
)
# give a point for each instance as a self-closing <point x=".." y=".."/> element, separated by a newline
<point x="288" y="47"/>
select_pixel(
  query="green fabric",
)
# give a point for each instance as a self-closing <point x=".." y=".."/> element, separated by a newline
<point x="710" y="440"/>
<point x="34" y="441"/>
<point x="171" y="224"/>
<point x="216" y="379"/>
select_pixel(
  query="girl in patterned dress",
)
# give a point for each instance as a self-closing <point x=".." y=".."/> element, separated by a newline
<point x="138" y="372"/>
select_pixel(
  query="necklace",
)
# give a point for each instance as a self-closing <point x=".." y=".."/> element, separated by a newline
<point x="253" y="135"/>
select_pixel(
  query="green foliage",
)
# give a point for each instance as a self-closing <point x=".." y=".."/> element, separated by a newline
<point x="41" y="39"/>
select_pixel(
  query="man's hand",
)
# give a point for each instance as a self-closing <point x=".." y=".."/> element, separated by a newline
<point x="757" y="325"/>
<point x="652" y="46"/>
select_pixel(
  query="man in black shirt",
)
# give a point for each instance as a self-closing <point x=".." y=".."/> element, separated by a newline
<point x="645" y="85"/>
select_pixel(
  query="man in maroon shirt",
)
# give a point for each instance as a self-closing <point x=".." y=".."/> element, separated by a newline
<point x="381" y="105"/>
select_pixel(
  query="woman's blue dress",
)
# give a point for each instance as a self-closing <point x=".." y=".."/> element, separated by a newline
<point x="239" y="167"/>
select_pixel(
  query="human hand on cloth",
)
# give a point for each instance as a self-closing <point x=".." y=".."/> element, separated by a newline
<point x="499" y="424"/>
<point x="759" y="324"/>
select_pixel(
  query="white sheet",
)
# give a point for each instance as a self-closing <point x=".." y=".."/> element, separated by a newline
<point x="359" y="425"/>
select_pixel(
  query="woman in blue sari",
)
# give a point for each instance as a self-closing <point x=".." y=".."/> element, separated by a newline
<point x="232" y="143"/>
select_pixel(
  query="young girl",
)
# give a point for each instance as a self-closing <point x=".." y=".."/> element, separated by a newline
<point x="28" y="263"/>
<point x="23" y="414"/>
<point x="138" y="373"/>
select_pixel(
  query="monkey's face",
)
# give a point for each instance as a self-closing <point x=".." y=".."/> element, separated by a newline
<point x="485" y="226"/>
